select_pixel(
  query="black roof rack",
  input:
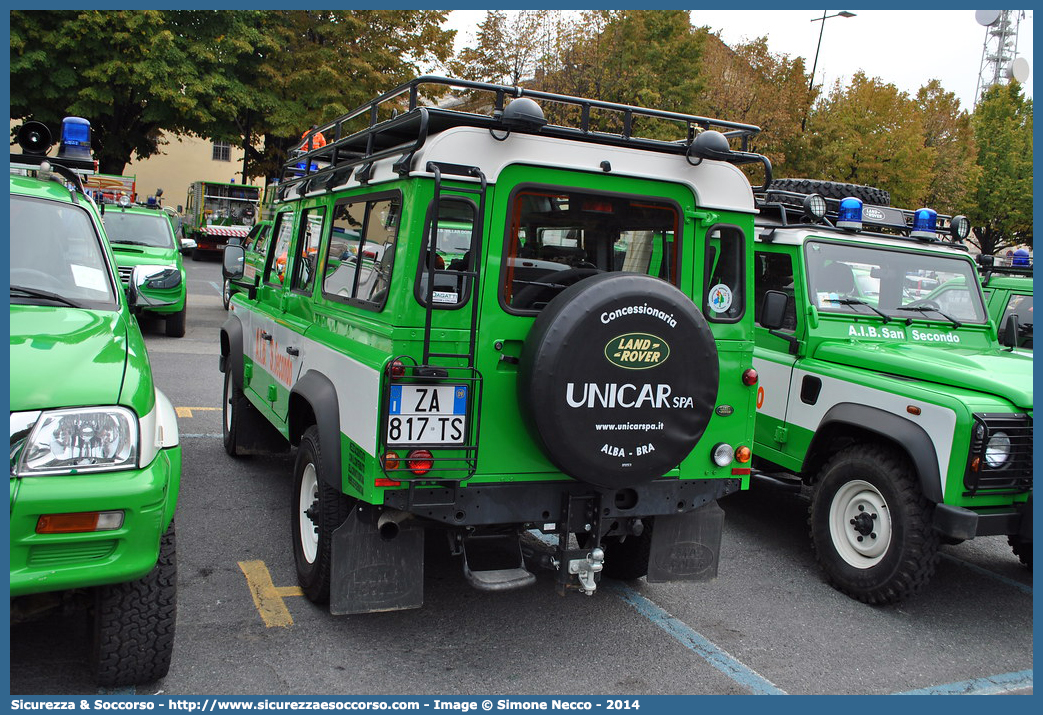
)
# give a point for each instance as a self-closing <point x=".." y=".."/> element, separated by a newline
<point x="398" y="122"/>
<point x="68" y="169"/>
<point x="890" y="221"/>
<point x="987" y="267"/>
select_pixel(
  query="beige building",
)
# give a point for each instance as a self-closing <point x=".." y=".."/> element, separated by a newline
<point x="182" y="161"/>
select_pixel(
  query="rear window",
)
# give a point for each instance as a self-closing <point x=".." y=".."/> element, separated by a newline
<point x="559" y="237"/>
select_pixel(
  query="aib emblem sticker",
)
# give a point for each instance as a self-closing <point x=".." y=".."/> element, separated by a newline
<point x="720" y="298"/>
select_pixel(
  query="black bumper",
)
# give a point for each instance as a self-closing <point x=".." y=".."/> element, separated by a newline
<point x="536" y="502"/>
<point x="960" y="523"/>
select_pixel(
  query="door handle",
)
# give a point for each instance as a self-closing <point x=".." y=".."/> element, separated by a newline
<point x="293" y="351"/>
<point x="266" y="336"/>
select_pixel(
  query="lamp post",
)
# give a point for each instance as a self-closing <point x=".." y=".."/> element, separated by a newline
<point x="814" y="65"/>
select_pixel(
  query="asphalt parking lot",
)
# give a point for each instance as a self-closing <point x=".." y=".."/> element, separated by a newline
<point x="768" y="624"/>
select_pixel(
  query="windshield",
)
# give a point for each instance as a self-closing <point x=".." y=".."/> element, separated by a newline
<point x="138" y="229"/>
<point x="56" y="257"/>
<point x="861" y="280"/>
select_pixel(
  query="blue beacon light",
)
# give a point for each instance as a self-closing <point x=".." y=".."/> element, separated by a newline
<point x="76" y="139"/>
<point x="925" y="224"/>
<point x="850" y="214"/>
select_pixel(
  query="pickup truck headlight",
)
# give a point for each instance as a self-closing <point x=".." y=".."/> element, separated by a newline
<point x="81" y="439"/>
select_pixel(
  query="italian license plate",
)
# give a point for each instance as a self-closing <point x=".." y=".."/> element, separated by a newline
<point x="427" y="414"/>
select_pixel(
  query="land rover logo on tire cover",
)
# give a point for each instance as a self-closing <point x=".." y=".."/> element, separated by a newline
<point x="596" y="417"/>
<point x="637" y="351"/>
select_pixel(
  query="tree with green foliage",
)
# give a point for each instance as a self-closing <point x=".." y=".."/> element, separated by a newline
<point x="329" y="62"/>
<point x="868" y="133"/>
<point x="947" y="130"/>
<point x="133" y="74"/>
<point x="1001" y="213"/>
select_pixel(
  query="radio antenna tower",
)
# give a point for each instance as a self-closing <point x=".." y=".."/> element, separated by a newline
<point x="999" y="60"/>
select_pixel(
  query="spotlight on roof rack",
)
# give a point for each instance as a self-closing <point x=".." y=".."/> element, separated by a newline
<point x="960" y="227"/>
<point x="986" y="260"/>
<point x="849" y="215"/>
<point x="814" y="206"/>
<point x="925" y="223"/>
<point x="523" y="114"/>
<point x="76" y="139"/>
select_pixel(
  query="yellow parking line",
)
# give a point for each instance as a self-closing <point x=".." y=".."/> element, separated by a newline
<point x="187" y="411"/>
<point x="268" y="598"/>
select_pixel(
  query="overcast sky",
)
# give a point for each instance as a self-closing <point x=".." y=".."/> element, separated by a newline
<point x="906" y="48"/>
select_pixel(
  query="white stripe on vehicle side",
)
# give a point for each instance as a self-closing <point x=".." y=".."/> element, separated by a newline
<point x="772" y="377"/>
<point x="938" y="422"/>
<point x="358" y="386"/>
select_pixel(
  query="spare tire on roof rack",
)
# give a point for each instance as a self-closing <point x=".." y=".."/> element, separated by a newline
<point x="833" y="190"/>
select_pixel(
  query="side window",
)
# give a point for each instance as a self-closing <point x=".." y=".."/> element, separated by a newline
<point x="559" y="237"/>
<point x="725" y="274"/>
<point x="307" y="250"/>
<point x="1020" y="305"/>
<point x="454" y="229"/>
<point x="261" y="244"/>
<point x="362" y="250"/>
<point x="278" y="253"/>
<point x="774" y="271"/>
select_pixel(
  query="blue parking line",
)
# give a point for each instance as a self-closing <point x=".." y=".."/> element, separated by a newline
<point x="1024" y="588"/>
<point x="711" y="653"/>
<point x="994" y="685"/>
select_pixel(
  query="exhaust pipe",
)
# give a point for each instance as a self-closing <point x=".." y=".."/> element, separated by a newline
<point x="387" y="524"/>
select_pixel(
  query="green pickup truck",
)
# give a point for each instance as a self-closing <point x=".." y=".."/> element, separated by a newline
<point x="95" y="454"/>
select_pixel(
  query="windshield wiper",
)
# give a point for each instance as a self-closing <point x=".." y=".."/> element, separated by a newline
<point x="927" y="308"/>
<point x="858" y="301"/>
<point x="45" y="294"/>
<point x="129" y="243"/>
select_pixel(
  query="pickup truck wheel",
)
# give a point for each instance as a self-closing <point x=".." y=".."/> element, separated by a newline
<point x="317" y="510"/>
<point x="617" y="379"/>
<point x="226" y="293"/>
<point x="1022" y="549"/>
<point x="133" y="633"/>
<point x="174" y="323"/>
<point x="871" y="527"/>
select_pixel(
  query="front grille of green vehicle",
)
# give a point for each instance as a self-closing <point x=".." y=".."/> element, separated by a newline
<point x="52" y="554"/>
<point x="125" y="273"/>
<point x="1014" y="475"/>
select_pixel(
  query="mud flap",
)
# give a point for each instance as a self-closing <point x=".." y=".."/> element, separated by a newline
<point x="686" y="547"/>
<point x="370" y="573"/>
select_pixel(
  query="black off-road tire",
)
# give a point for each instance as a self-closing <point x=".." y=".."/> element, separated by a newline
<point x="318" y="506"/>
<point x="1022" y="549"/>
<point x="618" y="348"/>
<point x="834" y="190"/>
<point x="133" y="630"/>
<point x="174" y="323"/>
<point x="870" y="491"/>
<point x="233" y="403"/>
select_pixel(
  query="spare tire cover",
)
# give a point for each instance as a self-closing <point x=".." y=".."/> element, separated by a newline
<point x="617" y="379"/>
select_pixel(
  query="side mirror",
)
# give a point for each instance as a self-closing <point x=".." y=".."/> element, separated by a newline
<point x="773" y="309"/>
<point x="233" y="262"/>
<point x="162" y="278"/>
<point x="1010" y="331"/>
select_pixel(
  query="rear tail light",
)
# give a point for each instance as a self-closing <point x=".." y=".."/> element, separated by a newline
<point x="749" y="377"/>
<point x="420" y="462"/>
<point x="396" y="369"/>
<point x="743" y="454"/>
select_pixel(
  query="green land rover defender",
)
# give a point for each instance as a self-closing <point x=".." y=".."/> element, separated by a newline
<point x="95" y="454"/>
<point x="476" y="321"/>
<point x="884" y="388"/>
